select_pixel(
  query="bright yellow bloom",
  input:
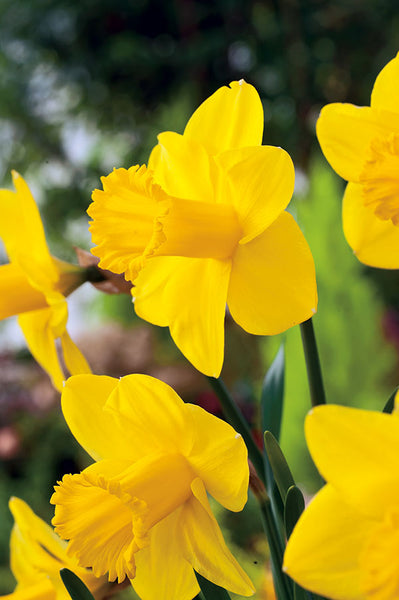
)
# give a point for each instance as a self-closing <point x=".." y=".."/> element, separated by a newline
<point x="37" y="554"/>
<point x="205" y="224"/>
<point x="345" y="545"/>
<point x="34" y="284"/>
<point x="362" y="145"/>
<point x="142" y="510"/>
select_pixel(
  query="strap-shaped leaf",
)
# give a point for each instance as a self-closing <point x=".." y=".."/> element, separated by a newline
<point x="280" y="468"/>
<point x="390" y="405"/>
<point x="75" y="586"/>
<point x="211" y="591"/>
<point x="273" y="395"/>
<point x="293" y="508"/>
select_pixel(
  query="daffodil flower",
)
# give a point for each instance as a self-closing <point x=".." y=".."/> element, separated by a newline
<point x="36" y="556"/>
<point x="142" y="510"/>
<point x="205" y="224"/>
<point x="34" y="284"/>
<point x="362" y="146"/>
<point x="345" y="545"/>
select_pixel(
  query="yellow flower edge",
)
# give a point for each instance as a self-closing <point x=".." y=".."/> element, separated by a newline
<point x="36" y="556"/>
<point x="362" y="146"/>
<point x="34" y="284"/>
<point x="345" y="543"/>
<point x="144" y="504"/>
<point x="204" y="225"/>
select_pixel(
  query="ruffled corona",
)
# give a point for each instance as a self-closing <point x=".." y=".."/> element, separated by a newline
<point x="205" y="225"/>
<point x="156" y="458"/>
<point x="34" y="284"/>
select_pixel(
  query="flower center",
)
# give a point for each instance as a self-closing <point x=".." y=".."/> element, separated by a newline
<point x="134" y="219"/>
<point x="380" y="178"/>
<point x="379" y="560"/>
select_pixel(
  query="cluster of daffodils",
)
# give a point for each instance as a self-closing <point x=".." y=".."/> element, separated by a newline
<point x="202" y="226"/>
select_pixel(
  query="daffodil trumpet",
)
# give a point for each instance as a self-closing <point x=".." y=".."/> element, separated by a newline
<point x="34" y="284"/>
<point x="204" y="224"/>
<point x="141" y="511"/>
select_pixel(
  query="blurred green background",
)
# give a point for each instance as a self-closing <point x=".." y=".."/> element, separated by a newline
<point x="86" y="86"/>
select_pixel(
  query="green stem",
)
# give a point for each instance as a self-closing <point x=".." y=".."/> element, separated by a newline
<point x="283" y="585"/>
<point x="316" y="387"/>
<point x="235" y="418"/>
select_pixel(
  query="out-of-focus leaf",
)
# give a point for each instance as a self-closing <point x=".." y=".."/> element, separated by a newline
<point x="293" y="507"/>
<point x="280" y="468"/>
<point x="273" y="395"/>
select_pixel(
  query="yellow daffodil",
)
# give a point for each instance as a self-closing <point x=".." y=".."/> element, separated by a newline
<point x="34" y="284"/>
<point x="345" y="545"/>
<point x="142" y="510"/>
<point x="362" y="145"/>
<point x="205" y="224"/>
<point x="37" y="554"/>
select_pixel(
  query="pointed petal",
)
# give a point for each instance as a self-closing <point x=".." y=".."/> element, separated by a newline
<point x="262" y="182"/>
<point x="34" y="545"/>
<point x="375" y="242"/>
<point x="21" y="228"/>
<point x="231" y="118"/>
<point x="43" y="590"/>
<point x="161" y="574"/>
<point x="322" y="554"/>
<point x="152" y="415"/>
<point x="385" y="94"/>
<point x="345" y="131"/>
<point x="272" y="283"/>
<point x="355" y="450"/>
<point x="74" y="360"/>
<point x="83" y="400"/>
<point x="182" y="167"/>
<point x="96" y="521"/>
<point x="40" y="338"/>
<point x="16" y="293"/>
<point x="220" y="458"/>
<point x="204" y="547"/>
<point x="197" y="323"/>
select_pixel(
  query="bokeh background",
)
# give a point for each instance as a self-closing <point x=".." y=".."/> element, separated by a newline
<point x="86" y="86"/>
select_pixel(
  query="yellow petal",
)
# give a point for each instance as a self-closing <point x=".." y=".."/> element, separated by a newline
<point x="96" y="520"/>
<point x="37" y="329"/>
<point x="43" y="590"/>
<point x="21" y="228"/>
<point x="83" y="400"/>
<point x="272" y="283"/>
<point x="161" y="574"/>
<point x="375" y="242"/>
<point x="182" y="167"/>
<point x="197" y="323"/>
<point x="204" y="548"/>
<point x="35" y="548"/>
<point x="152" y="415"/>
<point x="262" y="181"/>
<point x="385" y="94"/>
<point x="345" y="131"/>
<point x="74" y="360"/>
<point x="16" y="293"/>
<point x="220" y="458"/>
<point x="231" y="118"/>
<point x="355" y="450"/>
<point x="322" y="554"/>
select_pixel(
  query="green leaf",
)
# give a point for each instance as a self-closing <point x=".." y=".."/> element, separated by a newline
<point x="300" y="593"/>
<point x="273" y="395"/>
<point x="293" y="508"/>
<point x="390" y="405"/>
<point x="75" y="586"/>
<point x="211" y="591"/>
<point x="280" y="468"/>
